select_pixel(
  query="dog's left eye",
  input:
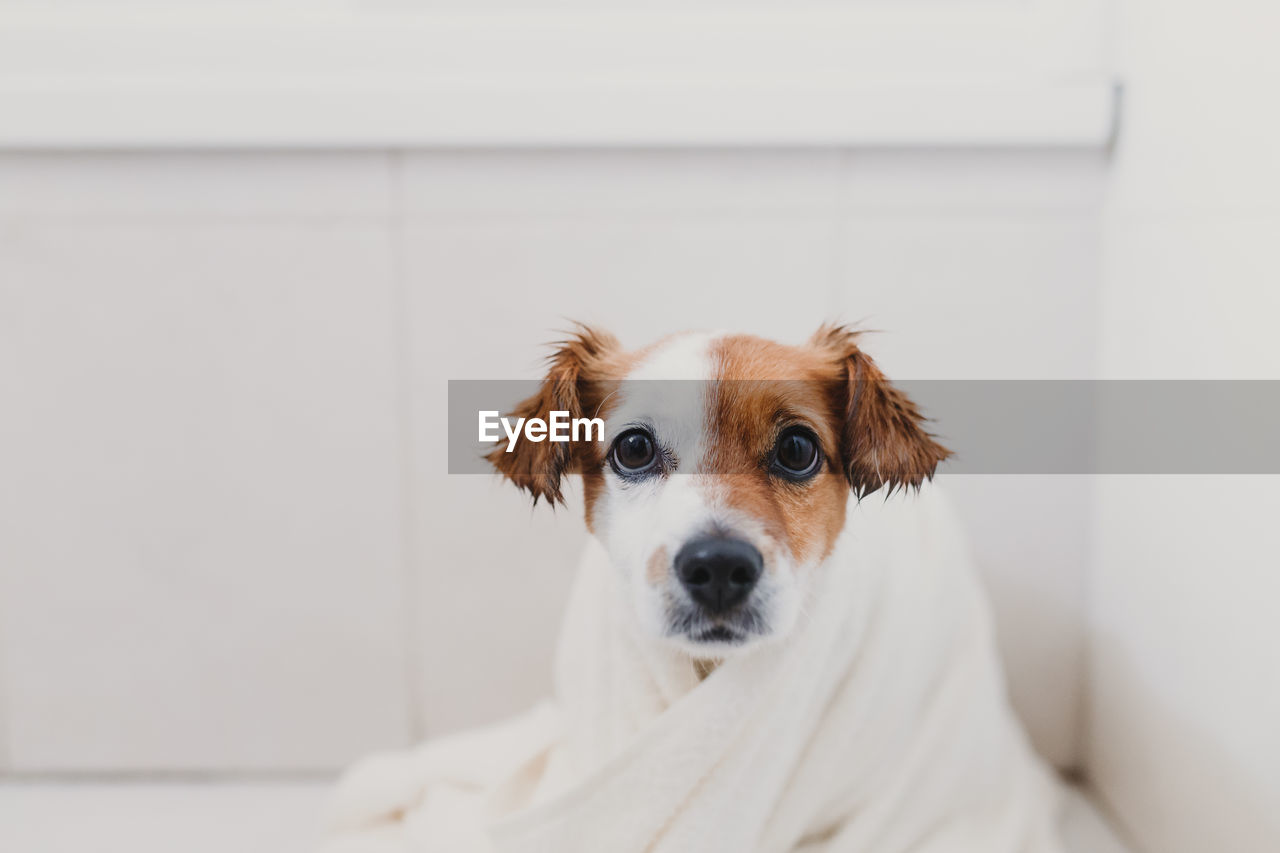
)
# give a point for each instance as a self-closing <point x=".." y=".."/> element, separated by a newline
<point x="796" y="454"/>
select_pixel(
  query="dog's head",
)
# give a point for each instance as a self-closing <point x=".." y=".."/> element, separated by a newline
<point x="725" y="469"/>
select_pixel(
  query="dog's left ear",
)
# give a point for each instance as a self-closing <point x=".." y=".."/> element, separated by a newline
<point x="572" y="383"/>
<point x="883" y="440"/>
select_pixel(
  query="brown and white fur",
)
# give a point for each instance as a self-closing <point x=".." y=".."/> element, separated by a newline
<point x="716" y="405"/>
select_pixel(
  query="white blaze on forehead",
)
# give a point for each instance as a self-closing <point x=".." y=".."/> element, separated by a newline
<point x="686" y="356"/>
<point x="666" y="391"/>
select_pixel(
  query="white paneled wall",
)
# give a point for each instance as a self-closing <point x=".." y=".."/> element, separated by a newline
<point x="201" y="559"/>
<point x="1184" y="645"/>
<point x="227" y="538"/>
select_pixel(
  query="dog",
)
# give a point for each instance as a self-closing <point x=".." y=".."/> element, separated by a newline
<point x="726" y="468"/>
<point x="776" y="643"/>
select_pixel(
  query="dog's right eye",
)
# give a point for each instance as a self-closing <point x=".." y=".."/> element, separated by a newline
<point x="634" y="452"/>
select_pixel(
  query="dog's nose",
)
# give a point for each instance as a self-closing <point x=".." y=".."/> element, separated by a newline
<point x="719" y="573"/>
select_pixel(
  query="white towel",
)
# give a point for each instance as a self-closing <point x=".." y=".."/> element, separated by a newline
<point x="880" y="725"/>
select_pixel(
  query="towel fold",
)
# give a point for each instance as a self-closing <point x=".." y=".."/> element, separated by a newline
<point x="880" y="725"/>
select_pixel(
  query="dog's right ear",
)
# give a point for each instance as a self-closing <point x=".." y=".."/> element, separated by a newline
<point x="571" y="385"/>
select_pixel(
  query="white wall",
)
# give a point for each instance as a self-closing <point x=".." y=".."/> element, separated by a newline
<point x="1184" y="646"/>
<point x="226" y="536"/>
<point x="201" y="447"/>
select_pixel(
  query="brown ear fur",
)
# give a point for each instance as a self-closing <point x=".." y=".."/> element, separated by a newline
<point x="884" y="441"/>
<point x="539" y="467"/>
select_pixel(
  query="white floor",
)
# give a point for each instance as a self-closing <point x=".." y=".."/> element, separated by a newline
<point x="165" y="817"/>
<point x="240" y="817"/>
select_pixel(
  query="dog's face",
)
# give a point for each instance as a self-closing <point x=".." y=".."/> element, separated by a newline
<point x="725" y="470"/>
